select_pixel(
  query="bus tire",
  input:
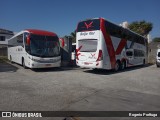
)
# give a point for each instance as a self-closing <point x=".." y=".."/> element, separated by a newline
<point x="23" y="63"/>
<point x="157" y="65"/>
<point x="123" y="65"/>
<point x="117" y="66"/>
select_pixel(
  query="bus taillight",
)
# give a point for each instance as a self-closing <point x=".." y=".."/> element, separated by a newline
<point x="100" y="56"/>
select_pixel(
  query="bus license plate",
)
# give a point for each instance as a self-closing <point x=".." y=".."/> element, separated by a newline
<point x="87" y="63"/>
<point x="48" y="65"/>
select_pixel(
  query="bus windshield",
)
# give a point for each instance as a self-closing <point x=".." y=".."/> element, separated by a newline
<point x="88" y="25"/>
<point x="44" y="46"/>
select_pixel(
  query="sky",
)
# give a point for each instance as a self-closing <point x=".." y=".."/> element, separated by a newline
<point x="62" y="16"/>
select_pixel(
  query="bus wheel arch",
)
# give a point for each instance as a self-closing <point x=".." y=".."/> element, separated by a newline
<point x="117" y="65"/>
<point x="123" y="64"/>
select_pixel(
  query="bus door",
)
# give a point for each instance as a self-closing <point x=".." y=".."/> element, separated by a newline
<point x="130" y="57"/>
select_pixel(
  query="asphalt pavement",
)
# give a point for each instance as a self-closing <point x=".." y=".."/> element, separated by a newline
<point x="76" y="89"/>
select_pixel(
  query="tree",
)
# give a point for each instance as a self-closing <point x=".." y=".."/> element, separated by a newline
<point x="141" y="27"/>
<point x="73" y="36"/>
<point x="156" y="39"/>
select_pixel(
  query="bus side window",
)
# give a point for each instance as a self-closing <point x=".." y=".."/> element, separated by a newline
<point x="19" y="40"/>
<point x="26" y="42"/>
<point x="129" y="53"/>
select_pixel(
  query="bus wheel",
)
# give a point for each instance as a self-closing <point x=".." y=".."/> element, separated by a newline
<point x="11" y="59"/>
<point x="123" y="65"/>
<point x="23" y="63"/>
<point x="117" y="66"/>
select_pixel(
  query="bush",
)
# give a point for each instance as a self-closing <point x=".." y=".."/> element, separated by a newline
<point x="3" y="59"/>
<point x="157" y="39"/>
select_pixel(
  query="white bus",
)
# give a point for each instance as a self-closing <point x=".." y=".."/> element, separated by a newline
<point x="158" y="57"/>
<point x="35" y="49"/>
<point x="105" y="45"/>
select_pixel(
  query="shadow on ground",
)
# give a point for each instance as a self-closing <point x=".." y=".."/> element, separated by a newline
<point x="110" y="72"/>
<point x="5" y="67"/>
<point x="55" y="69"/>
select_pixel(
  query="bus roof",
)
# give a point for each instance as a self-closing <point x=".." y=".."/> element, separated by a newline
<point x="35" y="31"/>
<point x="115" y="25"/>
<point x="41" y="32"/>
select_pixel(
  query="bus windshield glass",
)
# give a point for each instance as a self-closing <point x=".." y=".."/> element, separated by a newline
<point x="89" y="25"/>
<point x="88" y="45"/>
<point x="44" y="46"/>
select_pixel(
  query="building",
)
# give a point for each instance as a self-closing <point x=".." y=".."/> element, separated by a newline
<point x="4" y="36"/>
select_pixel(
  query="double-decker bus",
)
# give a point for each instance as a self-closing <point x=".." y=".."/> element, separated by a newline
<point x="105" y="45"/>
<point x="35" y="49"/>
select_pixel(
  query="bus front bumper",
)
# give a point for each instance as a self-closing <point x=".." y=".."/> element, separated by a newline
<point x="44" y="65"/>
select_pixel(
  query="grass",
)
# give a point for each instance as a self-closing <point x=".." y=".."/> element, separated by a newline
<point x="3" y="59"/>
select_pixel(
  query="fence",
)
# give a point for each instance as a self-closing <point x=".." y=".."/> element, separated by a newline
<point x="3" y="51"/>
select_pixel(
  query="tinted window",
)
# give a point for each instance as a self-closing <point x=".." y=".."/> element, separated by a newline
<point x="44" y="46"/>
<point x="133" y="37"/>
<point x="113" y="30"/>
<point x="20" y="39"/>
<point x="129" y="53"/>
<point x="2" y="38"/>
<point x="16" y="41"/>
<point x="120" y="32"/>
<point x="158" y="54"/>
<point x="89" y="25"/>
<point x="139" y="53"/>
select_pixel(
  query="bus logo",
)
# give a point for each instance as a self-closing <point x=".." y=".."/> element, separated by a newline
<point x="6" y="114"/>
<point x="89" y="25"/>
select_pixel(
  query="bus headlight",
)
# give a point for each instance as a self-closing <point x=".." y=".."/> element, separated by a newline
<point x="35" y="60"/>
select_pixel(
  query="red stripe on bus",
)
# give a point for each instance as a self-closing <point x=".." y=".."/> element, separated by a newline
<point x="77" y="50"/>
<point x="41" y="32"/>
<point x="77" y="54"/>
<point x="121" y="46"/>
<point x="62" y="42"/>
<point x="109" y="44"/>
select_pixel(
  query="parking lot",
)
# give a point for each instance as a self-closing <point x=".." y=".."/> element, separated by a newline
<point x="75" y="89"/>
